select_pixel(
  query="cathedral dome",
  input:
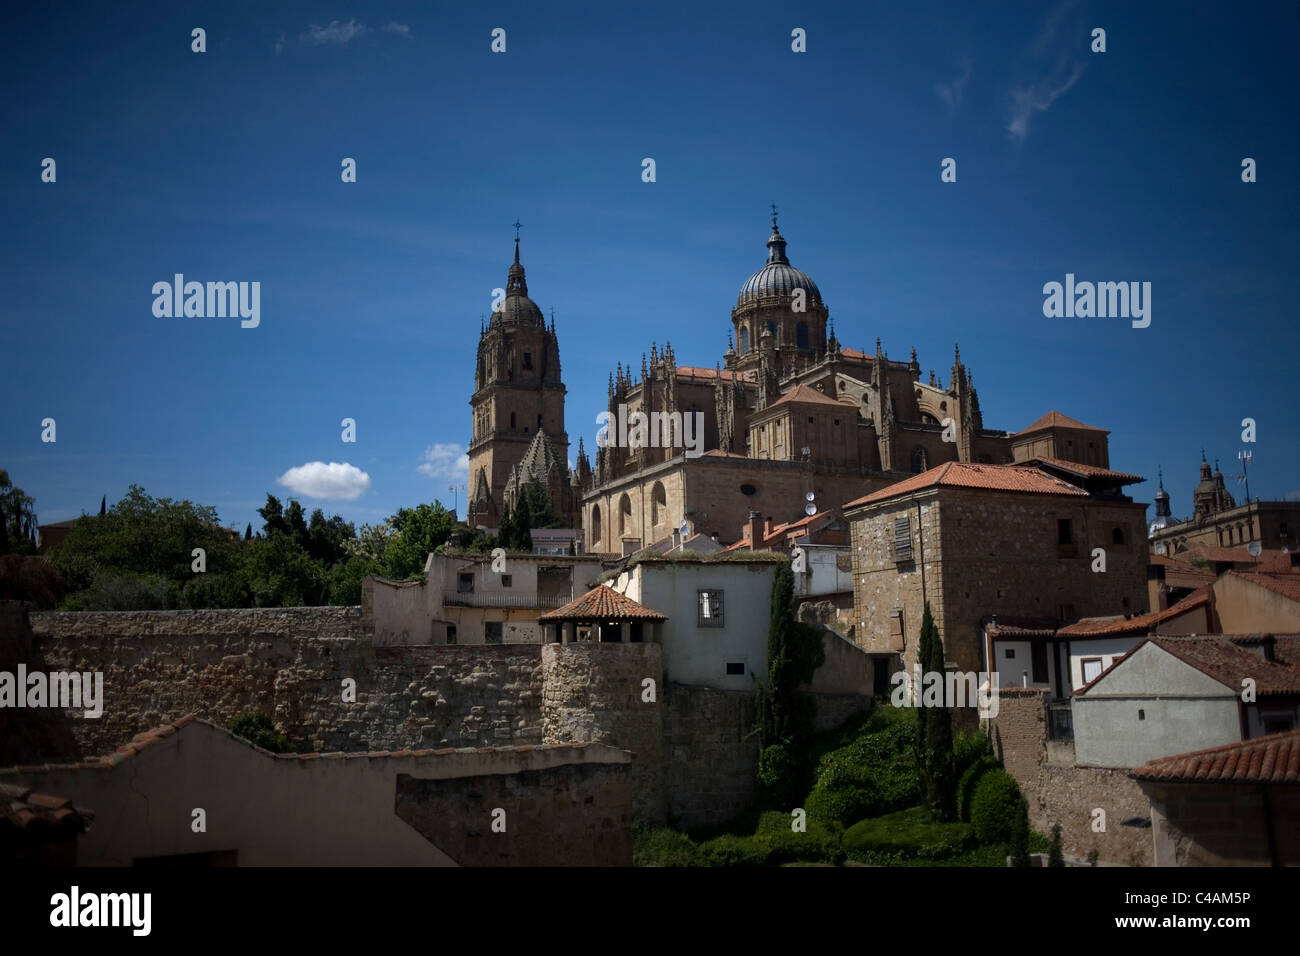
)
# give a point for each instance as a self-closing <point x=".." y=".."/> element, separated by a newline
<point x="517" y="308"/>
<point x="777" y="277"/>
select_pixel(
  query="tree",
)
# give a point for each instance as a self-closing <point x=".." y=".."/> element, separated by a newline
<point x="248" y="532"/>
<point x="103" y="506"/>
<point x="418" y="532"/>
<point x="934" y="729"/>
<point x="1054" y="855"/>
<point x="1020" y="833"/>
<point x="17" y="518"/>
<point x="785" y="717"/>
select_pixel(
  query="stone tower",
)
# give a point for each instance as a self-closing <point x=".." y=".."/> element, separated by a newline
<point x="518" y="392"/>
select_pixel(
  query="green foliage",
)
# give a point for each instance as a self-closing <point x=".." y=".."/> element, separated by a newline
<point x="1054" y="855"/>
<point x="281" y="574"/>
<point x="934" y="744"/>
<point x="872" y="772"/>
<point x="777" y="779"/>
<point x="968" y="747"/>
<point x="257" y="728"/>
<point x="345" y="579"/>
<point x="122" y="591"/>
<point x="817" y="844"/>
<point x="785" y="717"/>
<point x="995" y="807"/>
<point x="731" y="850"/>
<point x="417" y="532"/>
<point x="971" y="777"/>
<point x="17" y="518"/>
<point x="660" y="846"/>
<point x="1018" y="844"/>
<point x="907" y="833"/>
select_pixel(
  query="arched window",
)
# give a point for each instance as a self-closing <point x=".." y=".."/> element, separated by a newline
<point x="624" y="516"/>
<point x="801" y="335"/>
<point x="918" y="461"/>
<point x="512" y="419"/>
<point x="595" y="525"/>
<point x="658" y="505"/>
<point x="744" y="339"/>
<point x="1117" y="536"/>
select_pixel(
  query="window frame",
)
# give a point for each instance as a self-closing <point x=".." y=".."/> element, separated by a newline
<point x="719" y="609"/>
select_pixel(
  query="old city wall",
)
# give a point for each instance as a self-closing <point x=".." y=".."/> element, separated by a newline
<point x="1059" y="792"/>
<point x="291" y="663"/>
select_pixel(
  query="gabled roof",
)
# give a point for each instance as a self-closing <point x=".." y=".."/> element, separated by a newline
<point x="1087" y="471"/>
<point x="1220" y="659"/>
<point x="1271" y="759"/>
<point x="804" y="395"/>
<point x="1055" y="419"/>
<point x="1139" y="623"/>
<point x="781" y="530"/>
<point x="603" y="603"/>
<point x="23" y="809"/>
<point x="1284" y="583"/>
<point x="960" y="474"/>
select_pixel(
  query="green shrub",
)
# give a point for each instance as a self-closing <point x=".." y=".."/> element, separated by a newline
<point x="776" y="776"/>
<point x="818" y="844"/>
<point x="840" y="805"/>
<point x="995" y="807"/>
<point x="906" y="834"/>
<point x="732" y="850"/>
<point x="660" y="846"/>
<point x="256" y="728"/>
<point x="967" y="781"/>
<point x="968" y="748"/>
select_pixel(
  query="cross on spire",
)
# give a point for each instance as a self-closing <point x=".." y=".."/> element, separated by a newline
<point x="518" y="225"/>
<point x="774" y="217"/>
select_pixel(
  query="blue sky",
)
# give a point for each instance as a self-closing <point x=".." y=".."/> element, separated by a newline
<point x="225" y="166"/>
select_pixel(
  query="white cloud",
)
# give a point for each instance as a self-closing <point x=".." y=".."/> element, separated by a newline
<point x="401" y="28"/>
<point x="337" y="33"/>
<point x="448" y="461"/>
<point x="336" y="481"/>
<point x="951" y="93"/>
<point x="1037" y="98"/>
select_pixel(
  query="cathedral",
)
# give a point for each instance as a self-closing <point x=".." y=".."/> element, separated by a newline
<point x="794" y="422"/>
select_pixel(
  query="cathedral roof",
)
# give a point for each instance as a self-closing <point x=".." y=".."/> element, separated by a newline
<point x="1054" y="419"/>
<point x="538" y="463"/>
<point x="777" y="277"/>
<point x="803" y="395"/>
<point x="957" y="474"/>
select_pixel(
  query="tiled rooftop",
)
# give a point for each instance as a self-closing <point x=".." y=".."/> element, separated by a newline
<point x="1271" y="759"/>
<point x="1055" y="419"/>
<point x="21" y="808"/>
<point x="603" y="603"/>
<point x="955" y="474"/>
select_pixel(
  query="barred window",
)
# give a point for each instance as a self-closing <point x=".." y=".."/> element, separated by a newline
<point x="710" y="609"/>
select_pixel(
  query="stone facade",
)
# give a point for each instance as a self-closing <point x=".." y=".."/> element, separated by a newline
<point x="571" y="815"/>
<point x="981" y="553"/>
<point x="594" y="692"/>
<point x="1069" y="795"/>
<point x="710" y="754"/>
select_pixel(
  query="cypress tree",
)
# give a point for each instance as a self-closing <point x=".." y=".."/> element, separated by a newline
<point x="1020" y="833"/>
<point x="248" y="532"/>
<point x="934" y="730"/>
<point x="103" y="506"/>
<point x="1054" y="856"/>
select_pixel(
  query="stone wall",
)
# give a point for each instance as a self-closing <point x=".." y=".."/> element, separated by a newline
<point x="574" y="815"/>
<point x="291" y="663"/>
<point x="710" y="752"/>
<point x="1069" y="795"/>
<point x="594" y="692"/>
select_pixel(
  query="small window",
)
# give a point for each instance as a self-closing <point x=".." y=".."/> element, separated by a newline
<point x="507" y="580"/>
<point x="1011" y="654"/>
<point x="710" y="609"/>
<point x="1064" y="532"/>
<point x="1091" y="669"/>
<point x="1142" y="714"/>
<point x="465" y="582"/>
<point x="491" y="632"/>
<point x="810" y="420"/>
<point x="1117" y="536"/>
<point x="451" y="633"/>
<point x="528" y="359"/>
<point x="512" y="419"/>
<point x="748" y="490"/>
<point x="735" y="668"/>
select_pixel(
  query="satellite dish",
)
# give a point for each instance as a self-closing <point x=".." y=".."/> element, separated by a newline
<point x="804" y="451"/>
<point x="684" y="528"/>
<point x="810" y="497"/>
<point x="1160" y="548"/>
<point x="810" y="509"/>
<point x="1254" y="549"/>
<point x="1285" y="549"/>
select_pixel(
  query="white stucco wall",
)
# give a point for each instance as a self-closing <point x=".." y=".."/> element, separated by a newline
<point x="1182" y="709"/>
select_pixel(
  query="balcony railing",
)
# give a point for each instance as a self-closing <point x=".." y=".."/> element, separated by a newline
<point x="527" y="599"/>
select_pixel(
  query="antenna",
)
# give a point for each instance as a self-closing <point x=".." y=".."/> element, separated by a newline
<point x="1244" y="457"/>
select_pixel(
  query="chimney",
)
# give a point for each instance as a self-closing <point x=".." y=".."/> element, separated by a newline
<point x="755" y="532"/>
<point x="767" y="527"/>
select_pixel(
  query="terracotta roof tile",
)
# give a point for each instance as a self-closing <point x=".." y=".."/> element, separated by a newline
<point x="955" y="474"/>
<point x="1055" y="419"/>
<point x="1284" y="583"/>
<point x="603" y="603"/>
<point x="1271" y="759"/>
<point x="1140" y="623"/>
<point x="804" y="395"/>
<point x="1088" y="471"/>
<point x="21" y="808"/>
<point x="696" y="371"/>
<point x="1218" y="657"/>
